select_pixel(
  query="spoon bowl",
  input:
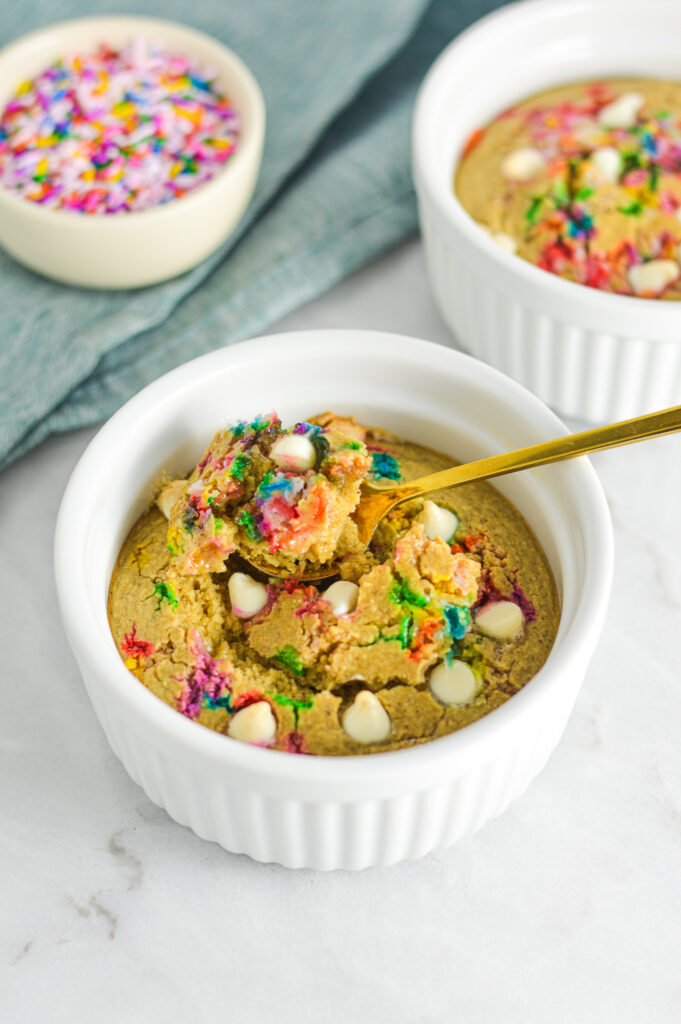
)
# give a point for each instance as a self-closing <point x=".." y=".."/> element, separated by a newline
<point x="375" y="502"/>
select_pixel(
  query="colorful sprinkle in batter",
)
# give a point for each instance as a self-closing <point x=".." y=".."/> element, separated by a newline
<point x="384" y="466"/>
<point x="584" y="181"/>
<point x="115" y="131"/>
<point x="164" y="592"/>
<point x="289" y="658"/>
<point x="208" y="680"/>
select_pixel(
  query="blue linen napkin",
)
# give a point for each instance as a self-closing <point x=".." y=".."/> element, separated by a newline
<point x="339" y="78"/>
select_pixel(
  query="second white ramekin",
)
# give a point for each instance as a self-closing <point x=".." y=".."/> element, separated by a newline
<point x="588" y="354"/>
<point x="331" y="812"/>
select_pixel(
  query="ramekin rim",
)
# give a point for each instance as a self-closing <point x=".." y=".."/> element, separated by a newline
<point x="452" y="211"/>
<point x="586" y="622"/>
<point x="250" y="139"/>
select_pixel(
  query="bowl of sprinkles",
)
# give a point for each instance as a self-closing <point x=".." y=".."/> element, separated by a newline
<point x="550" y="200"/>
<point x="129" y="149"/>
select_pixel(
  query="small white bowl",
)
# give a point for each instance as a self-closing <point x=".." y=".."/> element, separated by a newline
<point x="589" y="354"/>
<point x="331" y="812"/>
<point x="129" y="250"/>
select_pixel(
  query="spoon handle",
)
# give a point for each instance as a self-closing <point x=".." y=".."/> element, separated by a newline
<point x="641" y="428"/>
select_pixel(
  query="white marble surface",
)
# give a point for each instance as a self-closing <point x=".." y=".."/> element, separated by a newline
<point x="566" y="909"/>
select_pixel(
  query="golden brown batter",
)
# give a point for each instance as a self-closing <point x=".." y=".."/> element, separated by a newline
<point x="449" y="614"/>
<point x="585" y="181"/>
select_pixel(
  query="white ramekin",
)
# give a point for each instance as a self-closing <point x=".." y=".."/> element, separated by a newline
<point x="129" y="250"/>
<point x="587" y="353"/>
<point x="318" y="812"/>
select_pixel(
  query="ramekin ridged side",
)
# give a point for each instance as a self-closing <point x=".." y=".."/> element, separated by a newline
<point x="595" y="375"/>
<point x="589" y="354"/>
<point x="331" y="812"/>
<point x="377" y="830"/>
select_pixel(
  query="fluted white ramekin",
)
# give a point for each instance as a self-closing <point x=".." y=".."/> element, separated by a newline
<point x="587" y="353"/>
<point x="330" y="812"/>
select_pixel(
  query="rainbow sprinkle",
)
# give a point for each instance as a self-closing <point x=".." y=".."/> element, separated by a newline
<point x="208" y="680"/>
<point x="289" y="658"/>
<point x="134" y="647"/>
<point x="114" y="131"/>
<point x="164" y="592"/>
<point x="384" y="466"/>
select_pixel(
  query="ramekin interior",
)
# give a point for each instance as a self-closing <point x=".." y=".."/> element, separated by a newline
<point x="430" y="394"/>
<point x="31" y="54"/>
<point x="507" y="56"/>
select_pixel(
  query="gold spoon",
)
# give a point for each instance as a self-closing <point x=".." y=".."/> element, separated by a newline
<point x="375" y="502"/>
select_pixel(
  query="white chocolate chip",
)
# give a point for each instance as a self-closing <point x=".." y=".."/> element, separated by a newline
<point x="366" y="720"/>
<point x="248" y="597"/>
<point x="622" y="112"/>
<point x="653" y="277"/>
<point x="503" y="240"/>
<point x="454" y="683"/>
<point x="342" y="596"/>
<point x="295" y="452"/>
<point x="169" y="495"/>
<point x="501" y="620"/>
<point x="196" y="488"/>
<point x="254" y="724"/>
<point x="437" y="521"/>
<point x="607" y="162"/>
<point x="506" y="242"/>
<point x="523" y="164"/>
